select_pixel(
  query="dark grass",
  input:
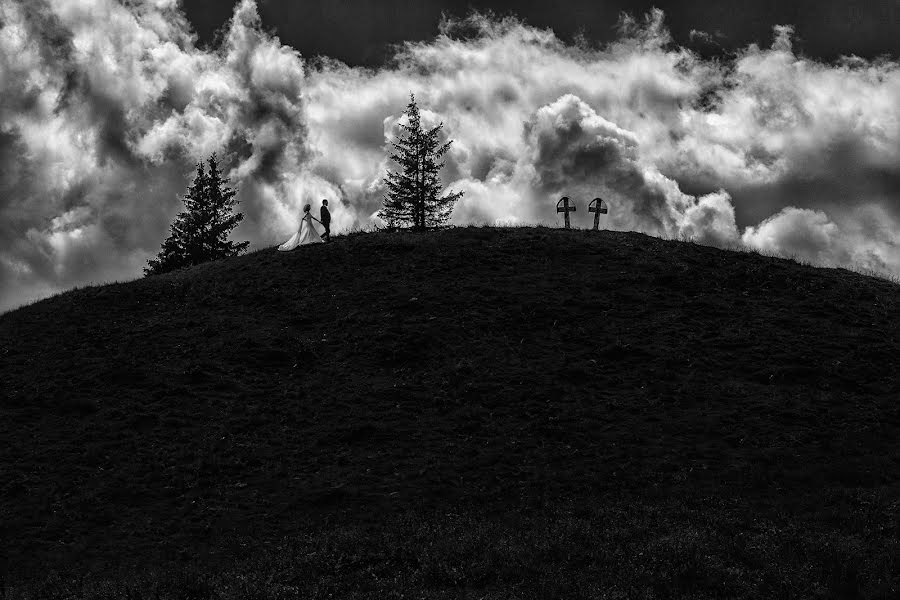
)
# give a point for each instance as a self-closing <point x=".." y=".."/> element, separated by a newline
<point x="502" y="413"/>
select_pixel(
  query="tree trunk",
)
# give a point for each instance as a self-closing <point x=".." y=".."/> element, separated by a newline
<point x="420" y="196"/>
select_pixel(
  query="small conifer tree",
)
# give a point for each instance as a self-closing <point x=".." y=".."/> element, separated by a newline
<point x="413" y="191"/>
<point x="200" y="233"/>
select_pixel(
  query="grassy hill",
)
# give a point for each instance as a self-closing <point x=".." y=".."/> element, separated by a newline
<point x="501" y="413"/>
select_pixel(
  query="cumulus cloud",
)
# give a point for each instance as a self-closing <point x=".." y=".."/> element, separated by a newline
<point x="106" y="106"/>
<point x="810" y="235"/>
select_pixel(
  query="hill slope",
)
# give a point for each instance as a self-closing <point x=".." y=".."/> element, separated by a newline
<point x="493" y="373"/>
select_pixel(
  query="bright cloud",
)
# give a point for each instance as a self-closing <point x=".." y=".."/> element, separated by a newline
<point x="106" y="107"/>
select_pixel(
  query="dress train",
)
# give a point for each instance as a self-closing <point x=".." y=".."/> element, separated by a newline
<point x="306" y="234"/>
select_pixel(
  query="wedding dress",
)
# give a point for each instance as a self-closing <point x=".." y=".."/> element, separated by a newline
<point x="306" y="234"/>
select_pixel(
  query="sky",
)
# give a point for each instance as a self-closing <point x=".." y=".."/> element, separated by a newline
<point x="360" y="32"/>
<point x="775" y="127"/>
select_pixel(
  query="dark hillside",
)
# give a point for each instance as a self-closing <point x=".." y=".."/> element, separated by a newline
<point x="621" y="399"/>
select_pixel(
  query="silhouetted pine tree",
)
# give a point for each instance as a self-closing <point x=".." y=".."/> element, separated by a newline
<point x="200" y="233"/>
<point x="412" y="197"/>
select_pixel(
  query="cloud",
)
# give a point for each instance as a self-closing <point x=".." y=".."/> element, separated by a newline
<point x="810" y="235"/>
<point x="679" y="145"/>
<point x="807" y="234"/>
<point x="106" y="107"/>
<point x="710" y="221"/>
<point x="705" y="38"/>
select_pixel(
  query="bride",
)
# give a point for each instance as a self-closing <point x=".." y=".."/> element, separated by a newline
<point x="306" y="233"/>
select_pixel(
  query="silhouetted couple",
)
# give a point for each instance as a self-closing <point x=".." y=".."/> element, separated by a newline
<point x="306" y="233"/>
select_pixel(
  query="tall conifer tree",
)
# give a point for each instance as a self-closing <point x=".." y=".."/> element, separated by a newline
<point x="200" y="233"/>
<point x="413" y="192"/>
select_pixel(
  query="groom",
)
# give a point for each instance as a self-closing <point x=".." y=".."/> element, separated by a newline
<point x="325" y="219"/>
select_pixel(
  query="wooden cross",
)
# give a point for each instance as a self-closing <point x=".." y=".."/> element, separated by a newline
<point x="598" y="207"/>
<point x="565" y="208"/>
